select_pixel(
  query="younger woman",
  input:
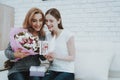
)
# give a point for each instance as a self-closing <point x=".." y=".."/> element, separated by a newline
<point x="63" y="56"/>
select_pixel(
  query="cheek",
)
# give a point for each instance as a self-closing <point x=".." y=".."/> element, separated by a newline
<point x="33" y="24"/>
<point x="55" y="25"/>
<point x="47" y="23"/>
<point x="42" y="23"/>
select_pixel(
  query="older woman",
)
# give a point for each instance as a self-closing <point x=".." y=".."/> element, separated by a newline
<point x="34" y="21"/>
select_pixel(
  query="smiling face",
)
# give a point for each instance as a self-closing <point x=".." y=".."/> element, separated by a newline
<point x="51" y="22"/>
<point x="37" y="22"/>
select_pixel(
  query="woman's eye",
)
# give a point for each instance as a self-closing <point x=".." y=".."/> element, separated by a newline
<point x="33" y="20"/>
<point x="40" y="20"/>
<point x="51" y="20"/>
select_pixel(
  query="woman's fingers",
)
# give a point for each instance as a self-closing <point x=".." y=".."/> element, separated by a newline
<point x="25" y="54"/>
<point x="19" y="54"/>
<point x="48" y="57"/>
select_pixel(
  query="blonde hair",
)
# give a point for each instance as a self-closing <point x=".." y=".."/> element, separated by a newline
<point x="27" y="24"/>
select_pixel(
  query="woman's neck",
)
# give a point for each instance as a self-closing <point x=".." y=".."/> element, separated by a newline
<point x="35" y="33"/>
<point x="57" y="32"/>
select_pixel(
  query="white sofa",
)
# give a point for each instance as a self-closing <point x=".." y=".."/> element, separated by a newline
<point x="92" y="62"/>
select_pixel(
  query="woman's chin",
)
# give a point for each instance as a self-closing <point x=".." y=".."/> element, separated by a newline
<point x="37" y="29"/>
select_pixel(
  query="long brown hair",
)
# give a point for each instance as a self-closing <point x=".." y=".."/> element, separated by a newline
<point x="56" y="14"/>
<point x="27" y="24"/>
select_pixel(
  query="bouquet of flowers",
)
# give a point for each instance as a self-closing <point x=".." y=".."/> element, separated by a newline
<point x="21" y="39"/>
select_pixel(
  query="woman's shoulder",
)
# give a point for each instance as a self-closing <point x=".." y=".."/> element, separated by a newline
<point x="68" y="32"/>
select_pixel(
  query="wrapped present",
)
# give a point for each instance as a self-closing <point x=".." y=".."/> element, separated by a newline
<point x="38" y="70"/>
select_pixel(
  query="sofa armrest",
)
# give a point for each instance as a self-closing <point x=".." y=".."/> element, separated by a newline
<point x="3" y="75"/>
<point x="3" y="69"/>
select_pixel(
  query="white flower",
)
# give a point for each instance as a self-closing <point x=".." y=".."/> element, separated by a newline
<point x="27" y="35"/>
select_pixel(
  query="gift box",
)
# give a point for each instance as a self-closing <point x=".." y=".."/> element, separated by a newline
<point x="37" y="71"/>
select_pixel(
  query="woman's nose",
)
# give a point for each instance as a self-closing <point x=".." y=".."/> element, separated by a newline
<point x="38" y="23"/>
<point x="48" y="23"/>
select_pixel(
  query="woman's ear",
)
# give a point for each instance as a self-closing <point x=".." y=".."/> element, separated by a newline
<point x="59" y="21"/>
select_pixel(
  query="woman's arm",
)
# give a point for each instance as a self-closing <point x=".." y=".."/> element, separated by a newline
<point x="9" y="52"/>
<point x="71" y="51"/>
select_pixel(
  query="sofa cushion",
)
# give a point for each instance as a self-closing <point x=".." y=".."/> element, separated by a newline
<point x="114" y="78"/>
<point x="115" y="66"/>
<point x="93" y="61"/>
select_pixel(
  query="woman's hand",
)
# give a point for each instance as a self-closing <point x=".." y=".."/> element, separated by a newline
<point x="49" y="56"/>
<point x="19" y="54"/>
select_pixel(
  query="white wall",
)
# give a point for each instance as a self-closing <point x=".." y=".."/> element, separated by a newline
<point x="95" y="22"/>
<point x="92" y="20"/>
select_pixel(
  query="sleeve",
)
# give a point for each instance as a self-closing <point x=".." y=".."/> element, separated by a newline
<point x="9" y="52"/>
<point x="42" y="57"/>
<point x="69" y="35"/>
